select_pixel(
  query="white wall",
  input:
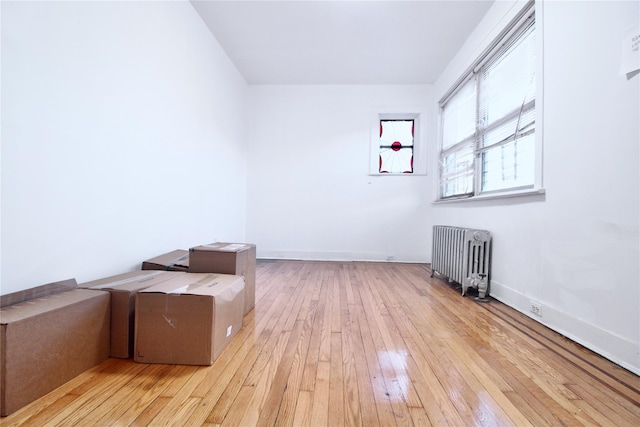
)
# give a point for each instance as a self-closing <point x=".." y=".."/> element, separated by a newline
<point x="310" y="195"/>
<point x="575" y="250"/>
<point x="122" y="138"/>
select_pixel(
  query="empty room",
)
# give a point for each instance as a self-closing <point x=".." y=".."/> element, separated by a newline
<point x="320" y="213"/>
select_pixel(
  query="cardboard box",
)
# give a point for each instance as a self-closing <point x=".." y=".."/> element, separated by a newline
<point x="177" y="260"/>
<point x="123" y="289"/>
<point x="46" y="341"/>
<point x="188" y="320"/>
<point x="228" y="258"/>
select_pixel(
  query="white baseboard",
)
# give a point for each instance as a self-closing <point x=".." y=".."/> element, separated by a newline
<point x="334" y="256"/>
<point x="619" y="350"/>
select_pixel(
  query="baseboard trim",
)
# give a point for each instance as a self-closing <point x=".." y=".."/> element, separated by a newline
<point x="335" y="256"/>
<point x="626" y="354"/>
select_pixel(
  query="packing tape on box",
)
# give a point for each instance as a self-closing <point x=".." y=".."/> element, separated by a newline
<point x="143" y="276"/>
<point x="232" y="247"/>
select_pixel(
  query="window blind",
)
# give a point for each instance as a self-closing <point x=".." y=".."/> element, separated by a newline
<point x="506" y="109"/>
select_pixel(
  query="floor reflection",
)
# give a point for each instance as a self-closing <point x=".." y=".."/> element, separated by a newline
<point x="393" y="365"/>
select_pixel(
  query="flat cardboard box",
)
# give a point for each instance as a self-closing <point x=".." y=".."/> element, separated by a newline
<point x="123" y="289"/>
<point x="228" y="258"/>
<point x="177" y="260"/>
<point x="47" y="341"/>
<point x="188" y="320"/>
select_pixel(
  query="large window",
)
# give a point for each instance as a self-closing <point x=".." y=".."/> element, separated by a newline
<point x="488" y="119"/>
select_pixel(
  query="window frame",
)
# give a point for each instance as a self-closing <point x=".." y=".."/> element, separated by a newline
<point x="418" y="116"/>
<point x="515" y="27"/>
<point x="401" y="147"/>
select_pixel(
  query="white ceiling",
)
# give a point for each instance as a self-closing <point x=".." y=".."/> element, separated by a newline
<point x="341" y="42"/>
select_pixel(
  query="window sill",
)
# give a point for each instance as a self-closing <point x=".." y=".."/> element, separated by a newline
<point x="398" y="174"/>
<point x="501" y="195"/>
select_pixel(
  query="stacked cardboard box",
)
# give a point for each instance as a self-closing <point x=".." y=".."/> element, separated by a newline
<point x="188" y="320"/>
<point x="228" y="258"/>
<point x="123" y="289"/>
<point x="183" y="315"/>
<point x="49" y="335"/>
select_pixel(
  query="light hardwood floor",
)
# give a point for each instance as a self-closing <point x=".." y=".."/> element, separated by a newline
<point x="363" y="344"/>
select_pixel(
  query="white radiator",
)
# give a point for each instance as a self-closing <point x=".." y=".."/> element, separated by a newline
<point x="464" y="256"/>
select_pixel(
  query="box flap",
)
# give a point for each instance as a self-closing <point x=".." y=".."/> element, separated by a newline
<point x="178" y="257"/>
<point x="37" y="292"/>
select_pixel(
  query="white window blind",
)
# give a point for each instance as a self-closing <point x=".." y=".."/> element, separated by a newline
<point x="458" y="132"/>
<point x="488" y="123"/>
<point x="459" y="118"/>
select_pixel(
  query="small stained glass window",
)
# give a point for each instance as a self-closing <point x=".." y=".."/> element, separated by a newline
<point x="396" y="146"/>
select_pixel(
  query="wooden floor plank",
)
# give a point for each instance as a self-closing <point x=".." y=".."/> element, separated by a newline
<point x="261" y="375"/>
<point x="117" y="403"/>
<point x="320" y="405"/>
<point x="313" y="353"/>
<point x="336" y="380"/>
<point x="273" y="402"/>
<point x="180" y="393"/>
<point x="105" y="383"/>
<point x="302" y="416"/>
<point x="261" y="384"/>
<point x="359" y="344"/>
<point x="147" y="395"/>
<point x="289" y="401"/>
<point x="374" y="397"/>
<point x="235" y="413"/>
<point x="148" y="413"/>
